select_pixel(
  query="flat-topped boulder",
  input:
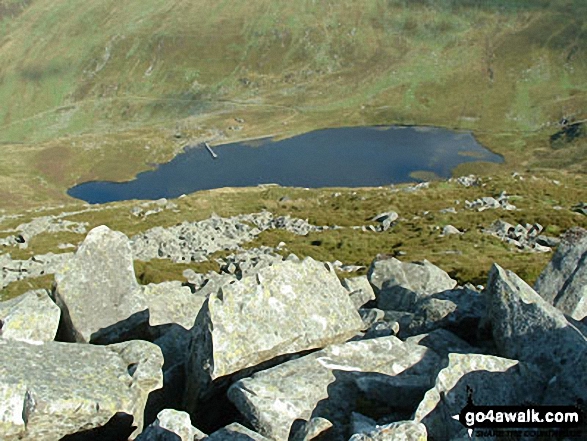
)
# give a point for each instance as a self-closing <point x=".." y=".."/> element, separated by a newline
<point x="328" y="384"/>
<point x="55" y="389"/>
<point x="285" y="308"/>
<point x="32" y="318"/>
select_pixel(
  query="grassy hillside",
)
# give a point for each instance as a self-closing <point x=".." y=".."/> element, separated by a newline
<point x="99" y="89"/>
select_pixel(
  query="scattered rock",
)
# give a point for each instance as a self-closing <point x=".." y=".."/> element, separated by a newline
<point x="449" y="230"/>
<point x="524" y="237"/>
<point x="36" y="266"/>
<point x="73" y="387"/>
<point x="563" y="282"/>
<point x="386" y="220"/>
<point x="31" y="318"/>
<point x="468" y="181"/>
<point x="581" y="208"/>
<point x="235" y="432"/>
<point x="488" y="202"/>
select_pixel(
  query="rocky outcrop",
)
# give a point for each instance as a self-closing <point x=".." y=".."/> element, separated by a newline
<point x="45" y="224"/>
<point x="563" y="282"/>
<point x="51" y="390"/>
<point x="283" y="309"/>
<point x="526" y="237"/>
<point x="328" y="384"/>
<point x="31" y="318"/>
<point x="489" y="202"/>
<point x="36" y="266"/>
<point x="400" y="285"/>
<point x="101" y="277"/>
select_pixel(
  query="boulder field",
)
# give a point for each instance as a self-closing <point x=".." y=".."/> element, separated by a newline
<point x="279" y="348"/>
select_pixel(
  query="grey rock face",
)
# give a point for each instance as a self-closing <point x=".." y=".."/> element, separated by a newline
<point x="450" y="230"/>
<point x="100" y="277"/>
<point x="31" y="318"/>
<point x="360" y="290"/>
<point x="402" y="430"/>
<point x="235" y="432"/>
<point x="170" y="302"/>
<point x="527" y="328"/>
<point x="443" y="342"/>
<point x="400" y="285"/>
<point x="283" y="309"/>
<point x="311" y="429"/>
<point x="563" y="282"/>
<point x="327" y="383"/>
<point x="73" y="387"/>
<point x="171" y="425"/>
<point x="494" y="381"/>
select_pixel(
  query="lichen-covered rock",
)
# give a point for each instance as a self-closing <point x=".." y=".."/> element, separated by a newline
<point x="283" y="309"/>
<point x="360" y="290"/>
<point x="235" y="432"/>
<point x="400" y="431"/>
<point x="171" y="425"/>
<point x="494" y="381"/>
<point x="563" y="282"/>
<point x="526" y="327"/>
<point x="400" y="285"/>
<point x="329" y="382"/>
<point x="32" y="317"/>
<point x="51" y="390"/>
<point x="100" y="277"/>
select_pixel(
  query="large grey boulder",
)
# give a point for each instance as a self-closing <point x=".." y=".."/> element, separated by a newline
<point x="328" y="384"/>
<point x="171" y="425"/>
<point x="100" y="277"/>
<point x="402" y="430"/>
<point x="563" y="282"/>
<point x="32" y="317"/>
<point x="51" y="390"/>
<point x="443" y="342"/>
<point x="494" y="381"/>
<point x="283" y="309"/>
<point x="525" y="327"/>
<point x="399" y="285"/>
<point x="98" y="287"/>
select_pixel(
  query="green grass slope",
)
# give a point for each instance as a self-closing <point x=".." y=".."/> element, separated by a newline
<point x="86" y="87"/>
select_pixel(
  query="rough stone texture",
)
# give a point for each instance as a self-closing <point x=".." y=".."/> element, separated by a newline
<point x="100" y="277"/>
<point x="494" y="381"/>
<point x="524" y="237"/>
<point x="31" y="317"/>
<point x="235" y="432"/>
<point x="527" y="328"/>
<point x="170" y="302"/>
<point x="450" y="230"/>
<point x="563" y="282"/>
<point x="400" y="431"/>
<point x="283" y="309"/>
<point x="55" y="389"/>
<point x="171" y="425"/>
<point x="360" y="290"/>
<point x="400" y="285"/>
<point x="311" y="429"/>
<point x="328" y="383"/>
<point x="458" y="310"/>
<point x="45" y="224"/>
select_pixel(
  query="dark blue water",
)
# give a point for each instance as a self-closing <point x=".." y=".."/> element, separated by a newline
<point x="344" y="157"/>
